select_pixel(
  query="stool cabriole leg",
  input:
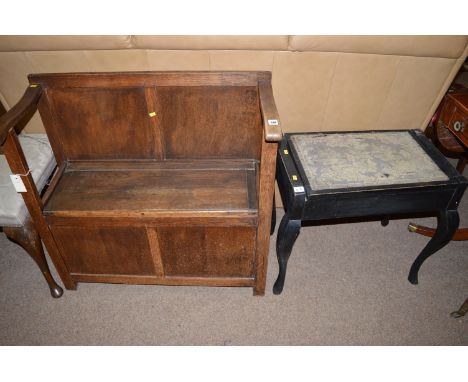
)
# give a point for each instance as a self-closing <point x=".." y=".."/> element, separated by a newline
<point x="288" y="232"/>
<point x="28" y="238"/>
<point x="447" y="224"/>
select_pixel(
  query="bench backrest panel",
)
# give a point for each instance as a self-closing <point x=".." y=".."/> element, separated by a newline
<point x="152" y="115"/>
<point x="100" y="123"/>
<point x="210" y="121"/>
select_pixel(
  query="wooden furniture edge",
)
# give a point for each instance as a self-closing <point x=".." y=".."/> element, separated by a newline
<point x="21" y="109"/>
<point x="9" y="127"/>
<point x="265" y="203"/>
<point x="17" y="162"/>
<point x="270" y="115"/>
<point x="56" y="176"/>
<point x="148" y="78"/>
<point x="159" y="221"/>
<point x="460" y="235"/>
<point x="456" y="98"/>
<point x="165" y="280"/>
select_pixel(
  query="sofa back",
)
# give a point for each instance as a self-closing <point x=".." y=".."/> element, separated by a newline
<point x="320" y="83"/>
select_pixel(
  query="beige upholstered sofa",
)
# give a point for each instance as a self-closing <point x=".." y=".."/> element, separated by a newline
<point x="320" y="82"/>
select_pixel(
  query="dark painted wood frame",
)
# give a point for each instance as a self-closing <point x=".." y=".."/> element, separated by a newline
<point x="438" y="198"/>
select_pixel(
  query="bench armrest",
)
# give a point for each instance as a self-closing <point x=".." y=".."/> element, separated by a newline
<point x="271" y="122"/>
<point x="25" y="106"/>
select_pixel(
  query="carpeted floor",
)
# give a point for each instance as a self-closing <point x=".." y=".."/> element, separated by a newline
<point x="346" y="285"/>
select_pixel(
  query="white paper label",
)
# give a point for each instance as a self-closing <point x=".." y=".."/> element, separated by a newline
<point x="299" y="189"/>
<point x="273" y="122"/>
<point x="18" y="183"/>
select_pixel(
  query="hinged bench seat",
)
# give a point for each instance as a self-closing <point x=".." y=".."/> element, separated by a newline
<point x="157" y="189"/>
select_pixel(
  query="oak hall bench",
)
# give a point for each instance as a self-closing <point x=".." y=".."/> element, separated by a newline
<point x="163" y="177"/>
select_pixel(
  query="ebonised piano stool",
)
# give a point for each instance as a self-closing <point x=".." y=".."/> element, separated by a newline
<point x="363" y="174"/>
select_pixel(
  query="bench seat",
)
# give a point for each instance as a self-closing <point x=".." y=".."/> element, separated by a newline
<point x="154" y="188"/>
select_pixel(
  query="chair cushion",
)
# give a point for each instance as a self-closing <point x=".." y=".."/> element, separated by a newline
<point x="347" y="160"/>
<point x="41" y="161"/>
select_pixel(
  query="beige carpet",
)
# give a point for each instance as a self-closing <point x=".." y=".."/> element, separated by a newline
<point x="346" y="285"/>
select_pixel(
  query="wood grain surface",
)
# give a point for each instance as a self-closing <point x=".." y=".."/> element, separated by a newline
<point x="163" y="177"/>
<point x="111" y="192"/>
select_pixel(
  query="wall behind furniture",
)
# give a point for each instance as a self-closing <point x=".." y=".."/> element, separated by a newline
<point x="320" y="82"/>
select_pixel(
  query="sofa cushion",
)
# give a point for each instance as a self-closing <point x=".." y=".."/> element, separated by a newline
<point x="421" y="46"/>
<point x="211" y="42"/>
<point x="41" y="161"/>
<point x="32" y="43"/>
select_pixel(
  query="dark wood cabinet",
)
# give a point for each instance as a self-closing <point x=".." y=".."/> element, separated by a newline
<point x="454" y="116"/>
<point x="163" y="177"/>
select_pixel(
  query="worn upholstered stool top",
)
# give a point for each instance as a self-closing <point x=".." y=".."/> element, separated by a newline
<point x="41" y="161"/>
<point x="363" y="159"/>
